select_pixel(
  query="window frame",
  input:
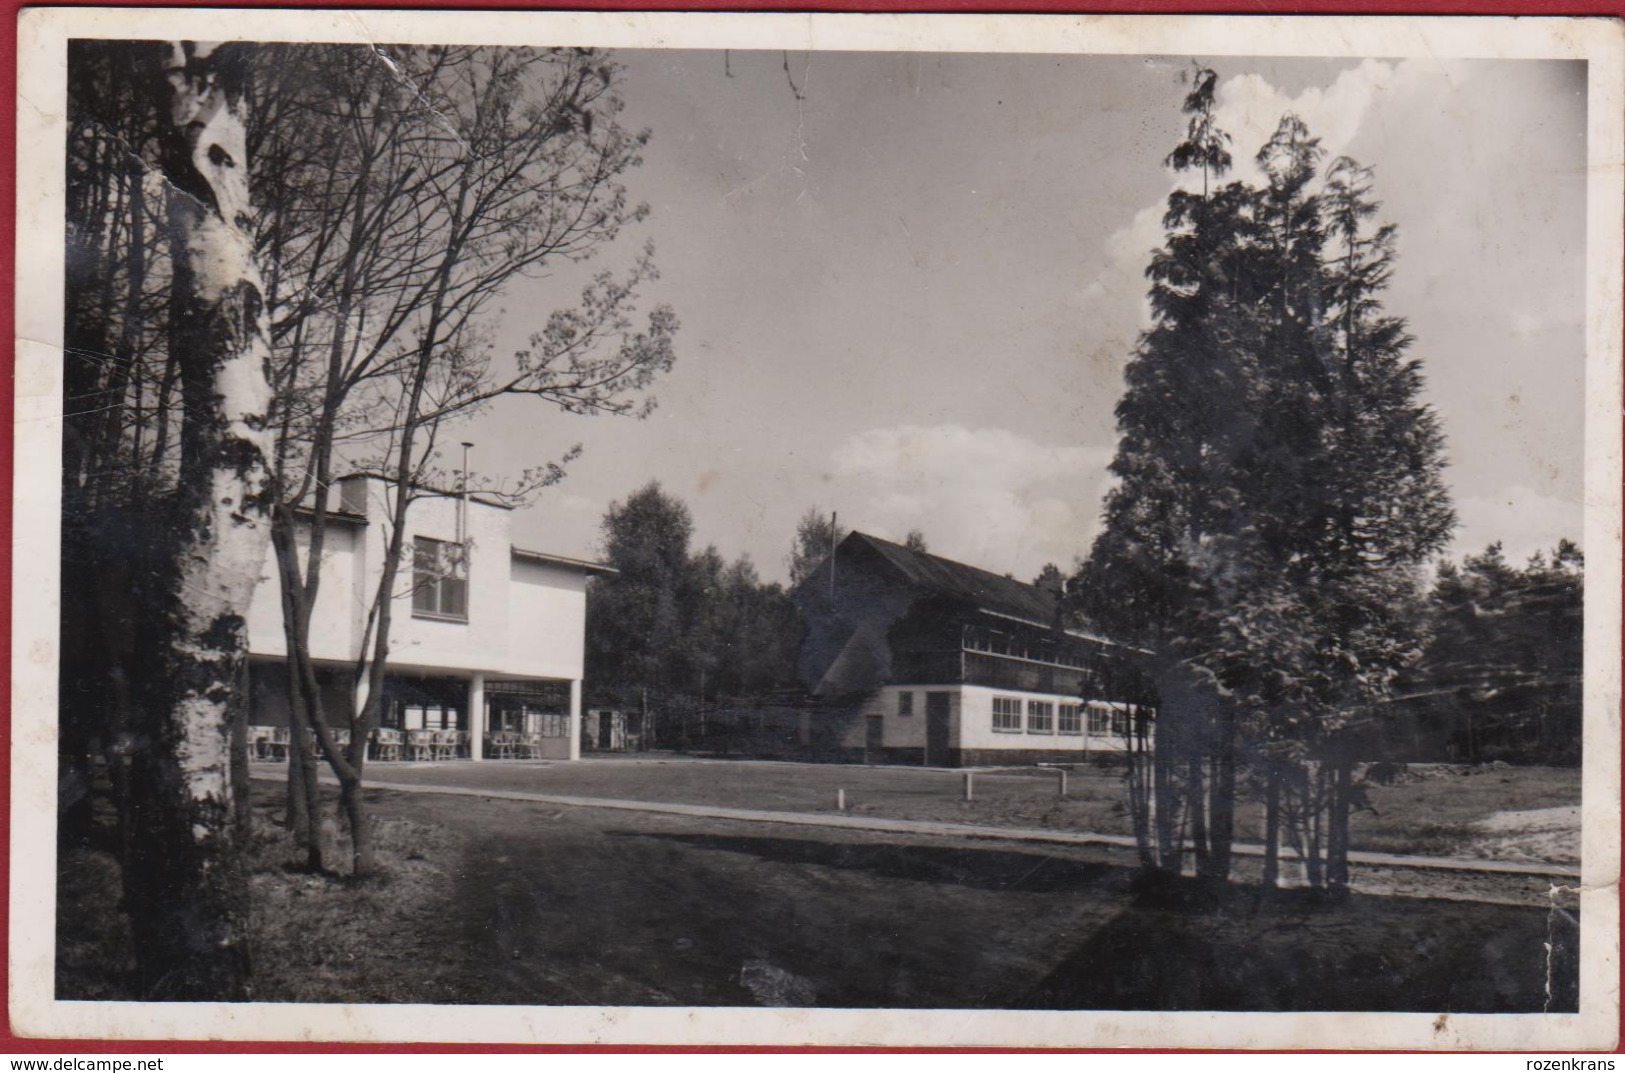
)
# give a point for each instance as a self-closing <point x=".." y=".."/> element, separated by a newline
<point x="1044" y="709"/>
<point x="425" y="715"/>
<point x="1013" y="703"/>
<point x="905" y="704"/>
<point x="1072" y="713"/>
<point x="433" y="580"/>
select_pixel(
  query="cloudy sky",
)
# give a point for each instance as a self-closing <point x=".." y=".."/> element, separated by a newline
<point x="909" y="295"/>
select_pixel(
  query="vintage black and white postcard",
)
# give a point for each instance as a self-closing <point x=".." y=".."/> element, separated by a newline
<point x="817" y="529"/>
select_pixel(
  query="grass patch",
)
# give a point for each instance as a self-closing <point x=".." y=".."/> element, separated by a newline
<point x="1431" y="812"/>
<point x="312" y="937"/>
<point x="329" y="938"/>
<point x="1438" y="813"/>
<point x="95" y="958"/>
<point x="481" y="901"/>
<point x="1413" y="836"/>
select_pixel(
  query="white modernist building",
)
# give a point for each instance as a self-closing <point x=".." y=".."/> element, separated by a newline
<point x="487" y="641"/>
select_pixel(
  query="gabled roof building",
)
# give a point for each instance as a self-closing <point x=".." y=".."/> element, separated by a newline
<point x="913" y="658"/>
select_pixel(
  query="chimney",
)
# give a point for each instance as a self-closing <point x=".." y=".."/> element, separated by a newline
<point x="462" y="498"/>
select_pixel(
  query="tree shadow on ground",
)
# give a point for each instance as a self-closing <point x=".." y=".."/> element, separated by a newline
<point x="1221" y="948"/>
<point x="1377" y="954"/>
<point x="973" y="868"/>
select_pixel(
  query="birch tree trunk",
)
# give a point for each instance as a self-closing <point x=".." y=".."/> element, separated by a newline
<point x="185" y="886"/>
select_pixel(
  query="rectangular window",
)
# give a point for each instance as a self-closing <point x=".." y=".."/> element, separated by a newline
<point x="427" y="717"/>
<point x="1007" y="714"/>
<point x="1040" y="717"/>
<point x="1071" y="719"/>
<point x="1100" y="719"/>
<point x="439" y="579"/>
<point x="905" y="703"/>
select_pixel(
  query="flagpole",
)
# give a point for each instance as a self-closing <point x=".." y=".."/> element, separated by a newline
<point x="834" y="532"/>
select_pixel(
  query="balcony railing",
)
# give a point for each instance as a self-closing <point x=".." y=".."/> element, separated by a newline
<point x="1005" y="672"/>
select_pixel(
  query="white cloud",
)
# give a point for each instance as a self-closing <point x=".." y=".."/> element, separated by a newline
<point x="1249" y="109"/>
<point x="986" y="496"/>
<point x="1120" y="284"/>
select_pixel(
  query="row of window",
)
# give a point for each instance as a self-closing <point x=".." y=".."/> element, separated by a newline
<point x="1041" y="717"/>
<point x="1003" y="672"/>
<point x="450" y="717"/>
<point x="1018" y="647"/>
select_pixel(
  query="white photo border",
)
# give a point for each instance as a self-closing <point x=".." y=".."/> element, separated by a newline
<point x="43" y="34"/>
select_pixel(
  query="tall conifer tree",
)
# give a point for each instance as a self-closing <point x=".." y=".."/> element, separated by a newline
<point x="1279" y="482"/>
<point x="1186" y="418"/>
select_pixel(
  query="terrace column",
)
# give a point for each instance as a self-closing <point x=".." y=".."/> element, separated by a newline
<point x="476" y="716"/>
<point x="575" y="719"/>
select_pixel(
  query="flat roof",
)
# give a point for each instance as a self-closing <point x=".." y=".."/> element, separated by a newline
<point x="335" y="513"/>
<point x="585" y="565"/>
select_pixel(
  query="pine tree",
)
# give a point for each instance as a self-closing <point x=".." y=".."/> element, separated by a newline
<point x="1187" y="419"/>
<point x="635" y="617"/>
<point x="673" y="632"/>
<point x="1280" y="481"/>
<point x="1501" y="675"/>
<point x="1384" y="509"/>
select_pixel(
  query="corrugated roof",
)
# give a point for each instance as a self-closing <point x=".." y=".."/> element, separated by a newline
<point x="980" y="588"/>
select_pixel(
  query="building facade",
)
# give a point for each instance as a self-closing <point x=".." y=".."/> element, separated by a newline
<point x="913" y="658"/>
<point x="487" y="641"/>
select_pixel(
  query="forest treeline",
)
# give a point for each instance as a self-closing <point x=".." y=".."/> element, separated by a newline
<point x="677" y="631"/>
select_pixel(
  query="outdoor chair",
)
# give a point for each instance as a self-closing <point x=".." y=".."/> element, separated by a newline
<point x="421" y="743"/>
<point x="259" y="742"/>
<point x="386" y="744"/>
<point x="445" y="744"/>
